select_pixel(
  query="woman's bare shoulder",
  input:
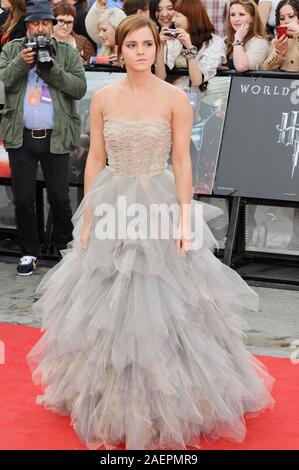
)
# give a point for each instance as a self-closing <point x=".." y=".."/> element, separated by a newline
<point x="172" y="90"/>
<point x="107" y="90"/>
<point x="177" y="99"/>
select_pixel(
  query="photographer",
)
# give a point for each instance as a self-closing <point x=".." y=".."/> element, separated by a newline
<point x="42" y="79"/>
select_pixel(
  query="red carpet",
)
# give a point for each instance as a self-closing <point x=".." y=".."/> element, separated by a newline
<point x="25" y="425"/>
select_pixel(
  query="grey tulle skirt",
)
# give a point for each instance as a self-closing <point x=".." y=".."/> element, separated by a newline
<point x="142" y="346"/>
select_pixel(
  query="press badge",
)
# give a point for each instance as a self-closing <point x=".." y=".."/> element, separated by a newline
<point x="45" y="95"/>
<point x="192" y="98"/>
<point x="34" y="96"/>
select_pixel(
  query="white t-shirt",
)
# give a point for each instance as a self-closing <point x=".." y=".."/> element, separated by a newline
<point x="271" y="19"/>
<point x="209" y="57"/>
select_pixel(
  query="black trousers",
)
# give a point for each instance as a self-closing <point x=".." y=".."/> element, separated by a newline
<point x="23" y="162"/>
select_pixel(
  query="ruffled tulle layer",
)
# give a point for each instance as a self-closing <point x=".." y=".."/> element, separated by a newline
<point x="142" y="346"/>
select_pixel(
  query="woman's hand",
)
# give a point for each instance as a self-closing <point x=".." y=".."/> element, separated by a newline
<point x="85" y="232"/>
<point x="84" y="237"/>
<point x="242" y="32"/>
<point x="281" y="45"/>
<point x="183" y="244"/>
<point x="101" y="3"/>
<point x="114" y="60"/>
<point x="164" y="36"/>
<point x="184" y="38"/>
<point x="293" y="28"/>
<point x="223" y="67"/>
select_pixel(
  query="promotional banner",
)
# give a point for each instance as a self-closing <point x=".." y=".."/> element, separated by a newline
<point x="260" y="144"/>
<point x="208" y="117"/>
<point x="209" y="107"/>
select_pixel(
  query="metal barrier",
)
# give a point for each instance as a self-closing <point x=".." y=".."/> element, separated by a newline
<point x="224" y="114"/>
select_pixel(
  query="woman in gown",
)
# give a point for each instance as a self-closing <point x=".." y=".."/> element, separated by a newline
<point x="143" y="336"/>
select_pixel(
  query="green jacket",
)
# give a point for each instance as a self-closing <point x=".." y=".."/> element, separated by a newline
<point x="67" y="83"/>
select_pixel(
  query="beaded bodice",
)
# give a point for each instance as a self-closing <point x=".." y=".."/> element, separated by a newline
<point x="137" y="148"/>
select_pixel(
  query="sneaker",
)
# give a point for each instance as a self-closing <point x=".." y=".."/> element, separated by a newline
<point x="26" y="265"/>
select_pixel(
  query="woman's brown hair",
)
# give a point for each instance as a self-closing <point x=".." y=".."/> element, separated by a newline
<point x="64" y="8"/>
<point x="131" y="7"/>
<point x="200" y="27"/>
<point x="257" y="28"/>
<point x="131" y="24"/>
<point x="14" y="16"/>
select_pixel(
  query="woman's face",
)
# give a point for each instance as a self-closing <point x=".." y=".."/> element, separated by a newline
<point x="64" y="25"/>
<point x="139" y="50"/>
<point x="180" y="20"/>
<point x="287" y="15"/>
<point x="238" y="15"/>
<point x="164" y="13"/>
<point x="107" y="34"/>
<point x="6" y="5"/>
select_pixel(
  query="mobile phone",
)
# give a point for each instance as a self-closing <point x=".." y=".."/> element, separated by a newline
<point x="281" y="30"/>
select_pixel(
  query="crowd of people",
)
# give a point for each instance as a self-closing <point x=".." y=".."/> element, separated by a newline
<point x="201" y="36"/>
<point x="135" y="351"/>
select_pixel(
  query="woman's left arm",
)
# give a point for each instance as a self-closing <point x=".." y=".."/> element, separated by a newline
<point x="182" y="120"/>
<point x="240" y="58"/>
<point x="195" y="73"/>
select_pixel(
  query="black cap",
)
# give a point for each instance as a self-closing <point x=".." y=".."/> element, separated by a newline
<point x="39" y="10"/>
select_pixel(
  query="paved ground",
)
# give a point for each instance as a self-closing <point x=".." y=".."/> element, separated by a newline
<point x="271" y="330"/>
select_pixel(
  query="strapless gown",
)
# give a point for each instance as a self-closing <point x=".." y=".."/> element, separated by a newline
<point x="143" y="347"/>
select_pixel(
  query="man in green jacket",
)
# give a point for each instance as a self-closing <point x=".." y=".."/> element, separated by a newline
<point x="39" y="122"/>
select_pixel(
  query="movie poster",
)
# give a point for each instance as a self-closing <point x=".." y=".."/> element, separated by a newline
<point x="259" y="155"/>
<point x="209" y="108"/>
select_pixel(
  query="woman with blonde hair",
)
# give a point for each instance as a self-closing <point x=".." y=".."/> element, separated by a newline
<point x="107" y="25"/>
<point x="247" y="44"/>
<point x="12" y="21"/>
<point x="143" y="344"/>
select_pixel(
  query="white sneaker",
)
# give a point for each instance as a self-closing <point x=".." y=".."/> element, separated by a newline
<point x="26" y="265"/>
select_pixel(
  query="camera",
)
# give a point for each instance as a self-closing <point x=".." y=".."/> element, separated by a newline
<point x="43" y="47"/>
<point x="172" y="32"/>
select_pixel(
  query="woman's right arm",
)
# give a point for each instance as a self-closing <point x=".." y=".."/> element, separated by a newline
<point x="264" y="9"/>
<point x="160" y="70"/>
<point x="277" y="54"/>
<point x="96" y="159"/>
<point x="240" y="58"/>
